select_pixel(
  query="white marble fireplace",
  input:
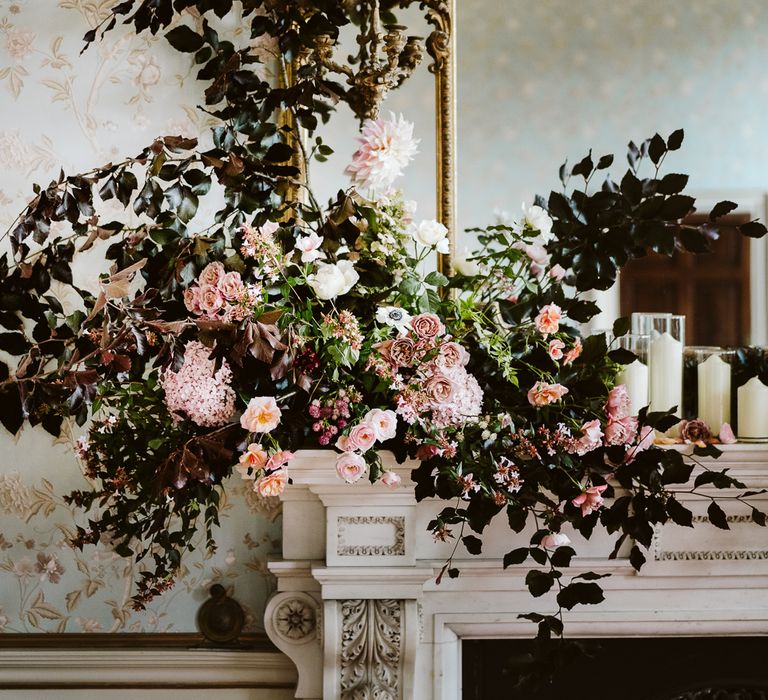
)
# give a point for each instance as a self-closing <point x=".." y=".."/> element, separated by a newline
<point x="360" y="614"/>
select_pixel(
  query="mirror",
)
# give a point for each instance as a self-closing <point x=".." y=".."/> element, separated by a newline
<point x="539" y="82"/>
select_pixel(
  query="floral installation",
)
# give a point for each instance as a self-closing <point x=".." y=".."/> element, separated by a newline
<point x="280" y="324"/>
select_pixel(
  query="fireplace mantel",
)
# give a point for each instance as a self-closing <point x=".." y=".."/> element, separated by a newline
<point x="358" y="608"/>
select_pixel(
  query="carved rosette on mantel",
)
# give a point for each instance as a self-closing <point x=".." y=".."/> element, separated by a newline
<point x="359" y="612"/>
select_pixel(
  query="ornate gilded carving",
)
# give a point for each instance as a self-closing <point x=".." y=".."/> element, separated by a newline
<point x="371" y="649"/>
<point x="396" y="548"/>
<point x="441" y="46"/>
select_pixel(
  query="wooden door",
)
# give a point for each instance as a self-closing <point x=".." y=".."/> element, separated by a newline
<point x="710" y="289"/>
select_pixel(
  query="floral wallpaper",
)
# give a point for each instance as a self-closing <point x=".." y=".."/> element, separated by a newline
<point x="61" y="109"/>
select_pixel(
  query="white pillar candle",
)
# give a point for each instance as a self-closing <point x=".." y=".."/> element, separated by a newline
<point x="666" y="373"/>
<point x="714" y="377"/>
<point x="635" y="377"/>
<point x="753" y="409"/>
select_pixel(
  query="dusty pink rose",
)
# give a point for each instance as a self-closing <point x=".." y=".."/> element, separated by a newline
<point x="726" y="434"/>
<point x="391" y="479"/>
<point x="554" y="540"/>
<point x="350" y="466"/>
<point x="192" y="299"/>
<point x="261" y="415"/>
<point x="231" y="286"/>
<point x="439" y="388"/>
<point x="271" y="484"/>
<point x="590" y="499"/>
<point x="557" y="272"/>
<point x="695" y="431"/>
<point x="542" y="393"/>
<point x="211" y="274"/>
<point x="362" y="437"/>
<point x="211" y="299"/>
<point x="555" y="349"/>
<point x="452" y="355"/>
<point x="548" y="320"/>
<point x="384" y="423"/>
<point x="618" y="403"/>
<point x="574" y="353"/>
<point x="591" y="436"/>
<point x="401" y="352"/>
<point x="621" y="431"/>
<point x="427" y="326"/>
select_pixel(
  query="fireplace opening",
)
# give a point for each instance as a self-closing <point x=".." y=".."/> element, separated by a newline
<point x="676" y="668"/>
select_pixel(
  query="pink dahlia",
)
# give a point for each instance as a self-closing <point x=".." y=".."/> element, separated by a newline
<point x="198" y="390"/>
<point x="386" y="147"/>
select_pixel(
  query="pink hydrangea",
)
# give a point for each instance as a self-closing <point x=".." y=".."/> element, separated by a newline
<point x="198" y="390"/>
<point x="386" y="147"/>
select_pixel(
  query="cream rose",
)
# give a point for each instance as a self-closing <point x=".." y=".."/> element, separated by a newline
<point x="330" y="281"/>
<point x="431" y="234"/>
<point x="384" y="423"/>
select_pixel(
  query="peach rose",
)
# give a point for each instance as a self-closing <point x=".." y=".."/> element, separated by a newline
<point x="542" y="393"/>
<point x="261" y="415"/>
<point x="548" y="320"/>
<point x="391" y="479"/>
<point x="271" y="484"/>
<point x="253" y="459"/>
<point x="555" y="349"/>
<point x="574" y="353"/>
<point x="350" y="466"/>
<point x="427" y="325"/>
<point x="279" y="459"/>
<point x="362" y="437"/>
<point x="192" y="299"/>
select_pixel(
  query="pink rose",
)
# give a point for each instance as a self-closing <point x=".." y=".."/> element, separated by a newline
<point x="271" y="484"/>
<point x="556" y="349"/>
<point x="384" y="423"/>
<point x="211" y="274"/>
<point x="618" y="404"/>
<point x="621" y="431"/>
<point x="726" y="434"/>
<point x="695" y="431"/>
<point x="557" y="272"/>
<point x="452" y="355"/>
<point x="574" y="353"/>
<point x="210" y="299"/>
<point x="591" y="436"/>
<point x="350" y="466"/>
<point x="542" y="393"/>
<point x="362" y="437"/>
<point x="231" y="286"/>
<point x="261" y="415"/>
<point x="279" y="459"/>
<point x="427" y="326"/>
<point x="554" y="540"/>
<point x="644" y="441"/>
<point x="343" y="443"/>
<point x="391" y="479"/>
<point x="548" y="320"/>
<point x="590" y="499"/>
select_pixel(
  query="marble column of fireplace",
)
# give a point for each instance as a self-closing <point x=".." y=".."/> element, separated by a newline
<point x="360" y="614"/>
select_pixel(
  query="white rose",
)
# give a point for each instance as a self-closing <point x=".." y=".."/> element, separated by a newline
<point x="536" y="218"/>
<point x="350" y="274"/>
<point x="554" y="540"/>
<point x="465" y="267"/>
<point x="431" y="234"/>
